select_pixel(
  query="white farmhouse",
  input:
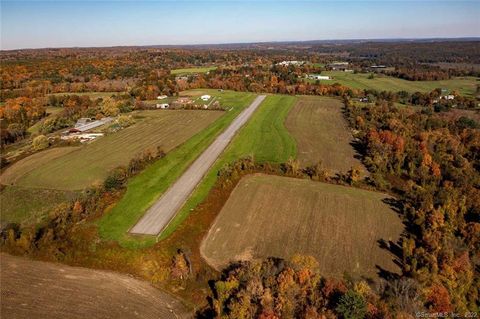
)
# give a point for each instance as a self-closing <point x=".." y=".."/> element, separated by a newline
<point x="163" y="106"/>
<point x="161" y="97"/>
<point x="205" y="97"/>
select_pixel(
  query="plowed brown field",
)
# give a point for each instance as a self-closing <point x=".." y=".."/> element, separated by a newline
<point x="33" y="289"/>
<point x="278" y="216"/>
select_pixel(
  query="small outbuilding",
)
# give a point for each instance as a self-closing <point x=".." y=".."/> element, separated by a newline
<point x="205" y="97"/>
<point x="318" y="77"/>
<point x="163" y="106"/>
<point x="161" y="97"/>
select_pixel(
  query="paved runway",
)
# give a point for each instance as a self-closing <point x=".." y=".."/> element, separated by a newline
<point x="159" y="215"/>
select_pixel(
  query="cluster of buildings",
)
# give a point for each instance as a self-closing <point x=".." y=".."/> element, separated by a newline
<point x="287" y="63"/>
<point x="340" y="66"/>
<point x="181" y="102"/>
<point x="81" y="128"/>
<point x="448" y="97"/>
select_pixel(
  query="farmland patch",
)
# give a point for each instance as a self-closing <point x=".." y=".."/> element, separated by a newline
<point x="34" y="289"/>
<point x="318" y="126"/>
<point x="92" y="162"/>
<point x="278" y="216"/>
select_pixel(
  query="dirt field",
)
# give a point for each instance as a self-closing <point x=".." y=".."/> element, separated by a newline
<point x="32" y="289"/>
<point x="279" y="216"/>
<point x="92" y="162"/>
<point x="318" y="126"/>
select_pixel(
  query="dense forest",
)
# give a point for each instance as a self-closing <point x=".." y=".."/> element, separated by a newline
<point x="30" y="77"/>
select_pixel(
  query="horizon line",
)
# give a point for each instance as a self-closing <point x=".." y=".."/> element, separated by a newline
<point x="382" y="39"/>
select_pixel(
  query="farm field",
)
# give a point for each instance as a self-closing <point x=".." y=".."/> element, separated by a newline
<point x="264" y="137"/>
<point x="92" y="162"/>
<point x="318" y="126"/>
<point x="34" y="289"/>
<point x="192" y="70"/>
<point x="464" y="85"/>
<point x="15" y="172"/>
<point x="278" y="216"/>
<point x="145" y="188"/>
<point x="28" y="205"/>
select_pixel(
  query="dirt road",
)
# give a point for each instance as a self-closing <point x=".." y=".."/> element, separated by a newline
<point x="160" y="214"/>
<point x="35" y="289"/>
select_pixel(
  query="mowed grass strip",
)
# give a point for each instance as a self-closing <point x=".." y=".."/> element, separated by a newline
<point x="264" y="137"/>
<point x="193" y="70"/>
<point x="280" y="216"/>
<point x="29" y="205"/>
<point x="92" y="162"/>
<point x="464" y="85"/>
<point x="318" y="126"/>
<point x="144" y="189"/>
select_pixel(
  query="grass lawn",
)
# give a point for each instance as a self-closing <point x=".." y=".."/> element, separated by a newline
<point x="144" y="189"/>
<point x="264" y="137"/>
<point x="193" y="70"/>
<point x="92" y="162"/>
<point x="464" y="85"/>
<point x="280" y="217"/>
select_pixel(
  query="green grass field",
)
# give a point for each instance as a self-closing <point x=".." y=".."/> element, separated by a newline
<point x="193" y="70"/>
<point x="464" y="85"/>
<point x="92" y="162"/>
<point x="264" y="137"/>
<point x="145" y="188"/>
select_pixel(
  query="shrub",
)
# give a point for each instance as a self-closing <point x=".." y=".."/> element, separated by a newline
<point x="40" y="142"/>
<point x="125" y="121"/>
<point x="352" y="306"/>
<point x="116" y="179"/>
<point x="55" y="123"/>
<point x="465" y="122"/>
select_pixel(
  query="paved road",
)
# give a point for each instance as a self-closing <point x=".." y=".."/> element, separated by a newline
<point x="160" y="214"/>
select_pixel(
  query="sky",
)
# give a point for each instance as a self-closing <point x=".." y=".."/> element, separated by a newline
<point x="40" y="24"/>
